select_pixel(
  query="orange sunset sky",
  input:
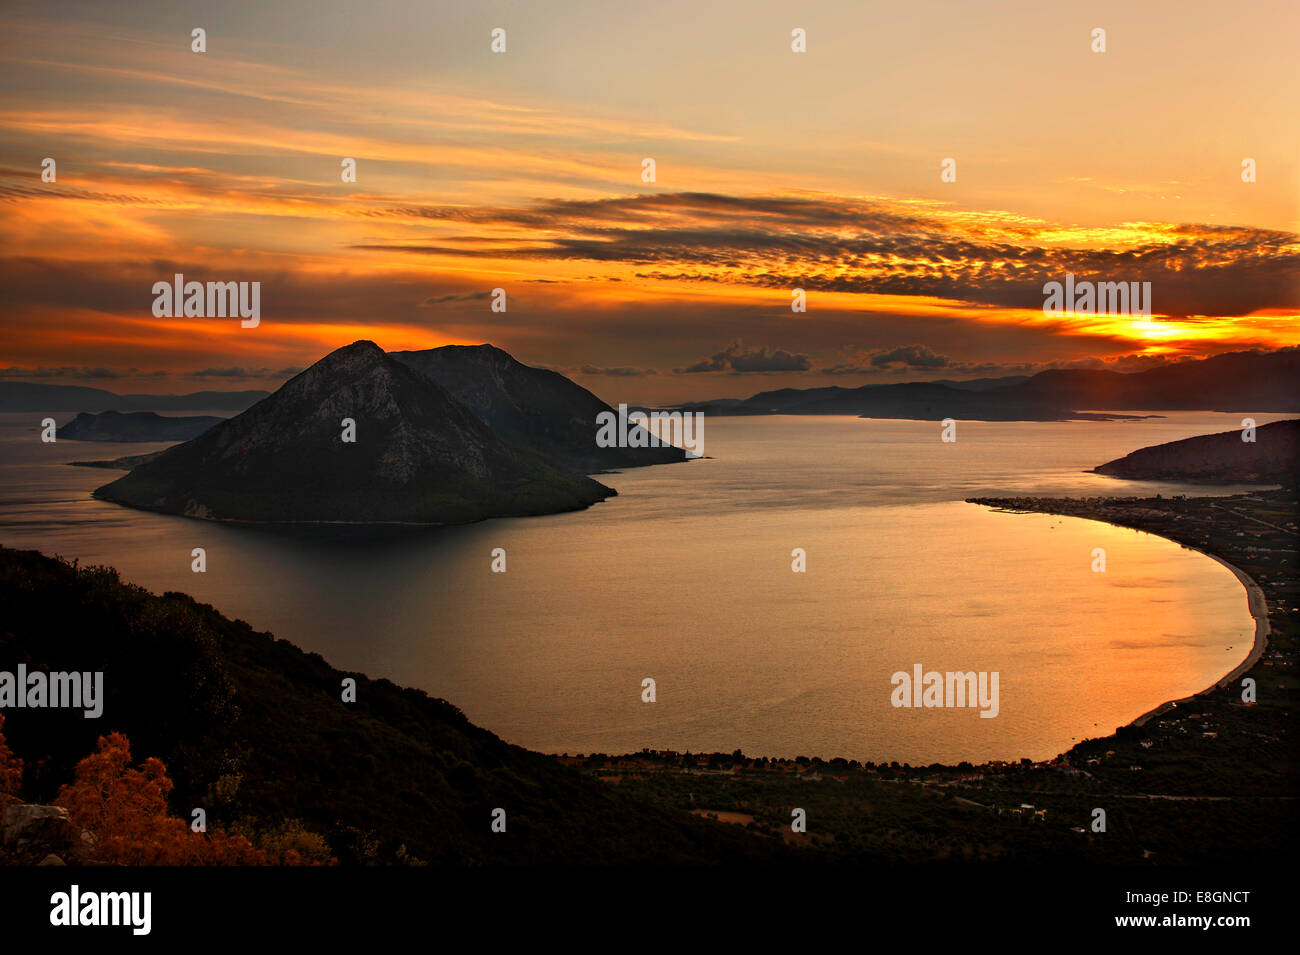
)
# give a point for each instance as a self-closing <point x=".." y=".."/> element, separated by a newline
<point x="522" y="170"/>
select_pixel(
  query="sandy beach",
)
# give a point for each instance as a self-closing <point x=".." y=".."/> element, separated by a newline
<point x="1258" y="610"/>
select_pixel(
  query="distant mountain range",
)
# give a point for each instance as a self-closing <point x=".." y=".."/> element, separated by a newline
<point x="1224" y="458"/>
<point x="134" y="426"/>
<point x="920" y="400"/>
<point x="543" y="409"/>
<point x="1235" y="382"/>
<point x="42" y="398"/>
<point x="420" y="455"/>
<point x="463" y="433"/>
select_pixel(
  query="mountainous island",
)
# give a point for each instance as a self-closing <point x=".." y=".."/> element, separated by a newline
<point x="1223" y="458"/>
<point x="513" y="447"/>
<point x="134" y="426"/>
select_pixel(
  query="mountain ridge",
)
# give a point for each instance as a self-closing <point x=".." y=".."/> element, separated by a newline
<point x="1248" y="382"/>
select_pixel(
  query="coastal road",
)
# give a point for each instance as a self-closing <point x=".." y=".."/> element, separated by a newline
<point x="1247" y="517"/>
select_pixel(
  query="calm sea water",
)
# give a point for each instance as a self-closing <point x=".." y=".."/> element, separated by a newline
<point x="686" y="578"/>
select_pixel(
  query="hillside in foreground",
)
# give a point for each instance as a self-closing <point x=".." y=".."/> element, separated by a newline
<point x="255" y="731"/>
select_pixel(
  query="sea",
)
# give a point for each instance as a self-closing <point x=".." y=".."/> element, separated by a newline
<point x="762" y="598"/>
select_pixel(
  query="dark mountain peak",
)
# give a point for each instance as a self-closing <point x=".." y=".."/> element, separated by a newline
<point x="359" y="356"/>
<point x="362" y="346"/>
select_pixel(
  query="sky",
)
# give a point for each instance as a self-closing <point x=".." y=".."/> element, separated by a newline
<point x="523" y="170"/>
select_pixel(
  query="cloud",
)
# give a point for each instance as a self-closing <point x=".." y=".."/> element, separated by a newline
<point x="876" y="246"/>
<point x="462" y="297"/>
<point x="737" y="359"/>
<point x="910" y="359"/>
<point x="617" y="372"/>
<point x="910" y="356"/>
<point x="239" y="373"/>
<point x="902" y="358"/>
<point x="70" y="371"/>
